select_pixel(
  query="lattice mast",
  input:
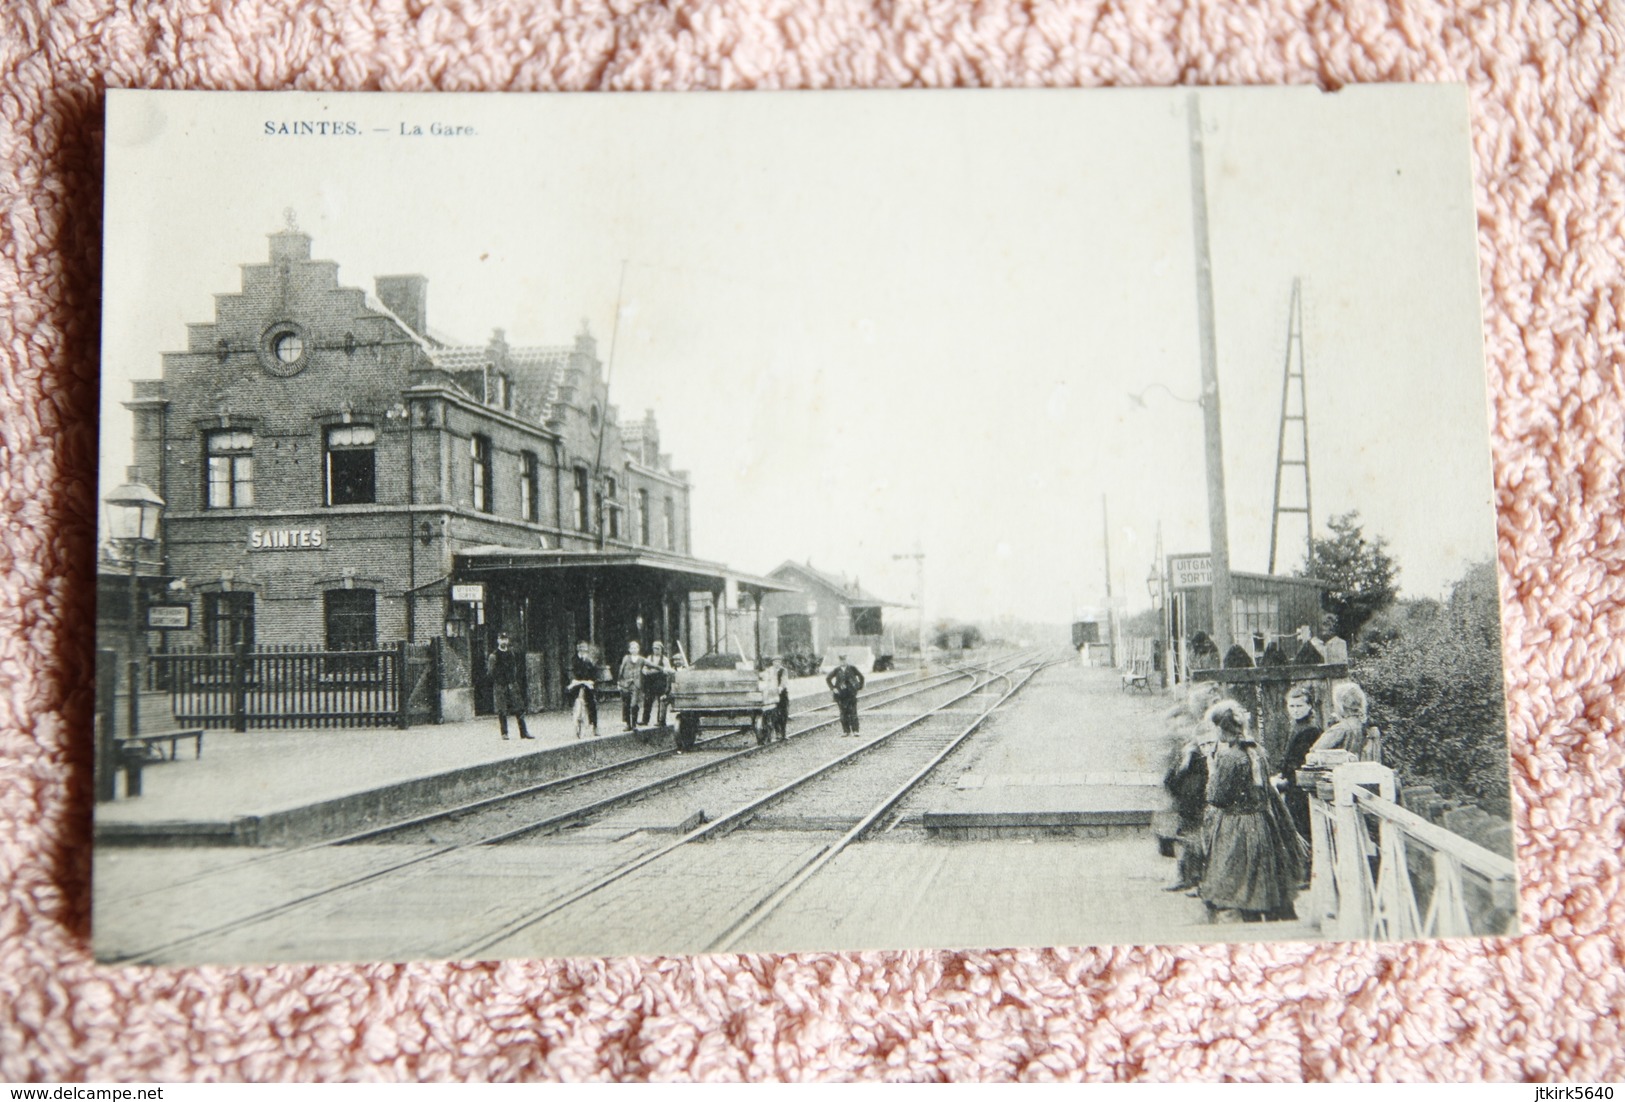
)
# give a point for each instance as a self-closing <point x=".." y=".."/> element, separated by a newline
<point x="1294" y="411"/>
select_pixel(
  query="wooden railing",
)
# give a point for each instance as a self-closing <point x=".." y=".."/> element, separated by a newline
<point x="1382" y="872"/>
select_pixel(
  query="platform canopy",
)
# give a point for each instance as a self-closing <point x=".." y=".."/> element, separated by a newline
<point x="699" y="573"/>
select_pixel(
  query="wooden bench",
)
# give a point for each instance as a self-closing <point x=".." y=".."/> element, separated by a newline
<point x="153" y="727"/>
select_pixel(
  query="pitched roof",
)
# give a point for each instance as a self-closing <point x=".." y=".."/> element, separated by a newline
<point x="848" y="591"/>
<point x="535" y="370"/>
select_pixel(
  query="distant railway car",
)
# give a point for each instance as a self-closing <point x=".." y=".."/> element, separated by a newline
<point x="1085" y="632"/>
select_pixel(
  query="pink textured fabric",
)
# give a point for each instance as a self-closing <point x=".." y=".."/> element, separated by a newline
<point x="1547" y="86"/>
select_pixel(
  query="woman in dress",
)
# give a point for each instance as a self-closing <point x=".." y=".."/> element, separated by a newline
<point x="1254" y="858"/>
<point x="1352" y="731"/>
<point x="1187" y="783"/>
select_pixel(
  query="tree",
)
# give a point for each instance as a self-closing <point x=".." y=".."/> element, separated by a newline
<point x="1360" y="575"/>
<point x="1436" y="691"/>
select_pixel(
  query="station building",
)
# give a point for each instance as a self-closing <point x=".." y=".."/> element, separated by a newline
<point x="336" y="477"/>
<point x="820" y="613"/>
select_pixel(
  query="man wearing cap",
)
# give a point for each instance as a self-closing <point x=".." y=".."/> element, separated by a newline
<point x="630" y="680"/>
<point x="845" y="681"/>
<point x="507" y="668"/>
<point x="656" y="685"/>
<point x="584" y="684"/>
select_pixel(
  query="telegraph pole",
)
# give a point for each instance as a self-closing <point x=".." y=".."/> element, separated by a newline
<point x="918" y="556"/>
<point x="1218" y="528"/>
<point x="1111" y="615"/>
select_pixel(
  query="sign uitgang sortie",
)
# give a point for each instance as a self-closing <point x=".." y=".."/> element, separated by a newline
<point x="1190" y="571"/>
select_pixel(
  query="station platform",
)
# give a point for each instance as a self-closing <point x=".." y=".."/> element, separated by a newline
<point x="1072" y="754"/>
<point x="289" y="787"/>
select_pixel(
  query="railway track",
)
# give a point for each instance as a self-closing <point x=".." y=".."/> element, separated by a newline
<point x="559" y="787"/>
<point x="284" y="884"/>
<point x="746" y="883"/>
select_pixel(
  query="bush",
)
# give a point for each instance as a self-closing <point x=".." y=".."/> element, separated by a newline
<point x="1436" y="690"/>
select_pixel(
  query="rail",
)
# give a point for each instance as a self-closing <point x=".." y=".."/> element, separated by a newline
<point x="1413" y="879"/>
<point x="420" y="858"/>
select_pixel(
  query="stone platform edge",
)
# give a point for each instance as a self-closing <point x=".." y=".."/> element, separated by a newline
<point x="338" y="816"/>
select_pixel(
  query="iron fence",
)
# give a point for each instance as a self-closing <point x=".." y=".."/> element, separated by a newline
<point x="299" y="687"/>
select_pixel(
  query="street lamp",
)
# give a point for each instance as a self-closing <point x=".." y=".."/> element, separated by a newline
<point x="133" y="515"/>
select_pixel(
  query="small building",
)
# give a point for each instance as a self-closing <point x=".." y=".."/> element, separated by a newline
<point x="1264" y="609"/>
<point x="823" y="614"/>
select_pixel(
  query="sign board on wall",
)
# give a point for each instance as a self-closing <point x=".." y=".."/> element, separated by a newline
<point x="169" y="617"/>
<point x="286" y="539"/>
<point x="474" y="593"/>
<point x="1190" y="571"/>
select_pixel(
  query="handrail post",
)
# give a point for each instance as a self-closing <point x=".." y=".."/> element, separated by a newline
<point x="239" y="687"/>
<point x="403" y="685"/>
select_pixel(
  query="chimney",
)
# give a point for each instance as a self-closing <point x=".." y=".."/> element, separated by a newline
<point x="289" y="244"/>
<point x="407" y="297"/>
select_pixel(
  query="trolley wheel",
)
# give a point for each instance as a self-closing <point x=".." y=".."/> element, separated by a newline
<point x="688" y="731"/>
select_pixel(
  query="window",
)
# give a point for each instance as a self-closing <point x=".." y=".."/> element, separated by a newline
<point x="530" y="500"/>
<point x="351" y="465"/>
<point x="582" y="501"/>
<point x="352" y="619"/>
<point x="230" y="469"/>
<point x="671" y="526"/>
<point x="479" y="450"/>
<point x="228" y="621"/>
<point x="288" y="347"/>
<point x="643" y="517"/>
<point x="1254" y="616"/>
<point x="613" y="520"/>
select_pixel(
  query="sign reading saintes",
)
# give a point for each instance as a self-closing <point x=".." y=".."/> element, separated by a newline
<point x="286" y="539"/>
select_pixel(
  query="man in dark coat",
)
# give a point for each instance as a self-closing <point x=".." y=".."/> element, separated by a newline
<point x="845" y="682"/>
<point x="507" y="668"/>
<point x="1300" y="705"/>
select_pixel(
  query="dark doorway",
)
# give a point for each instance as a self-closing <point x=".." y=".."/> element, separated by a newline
<point x="228" y="621"/>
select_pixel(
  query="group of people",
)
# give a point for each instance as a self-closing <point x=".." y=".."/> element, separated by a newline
<point x="644" y="682"/>
<point x="1244" y="835"/>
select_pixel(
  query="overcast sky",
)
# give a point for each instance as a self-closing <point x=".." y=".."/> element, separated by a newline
<point x="874" y="321"/>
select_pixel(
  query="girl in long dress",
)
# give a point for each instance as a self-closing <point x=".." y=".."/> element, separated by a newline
<point x="1254" y="859"/>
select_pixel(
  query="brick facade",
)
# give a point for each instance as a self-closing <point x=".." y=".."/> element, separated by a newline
<point x="316" y="440"/>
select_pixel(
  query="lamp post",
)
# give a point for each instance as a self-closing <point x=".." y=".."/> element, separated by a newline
<point x="133" y="515"/>
<point x="1157" y="588"/>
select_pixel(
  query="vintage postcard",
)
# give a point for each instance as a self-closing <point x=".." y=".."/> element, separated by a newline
<point x="601" y="524"/>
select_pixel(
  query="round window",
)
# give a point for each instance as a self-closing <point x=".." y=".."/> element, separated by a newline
<point x="284" y="350"/>
<point x="289" y="347"/>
